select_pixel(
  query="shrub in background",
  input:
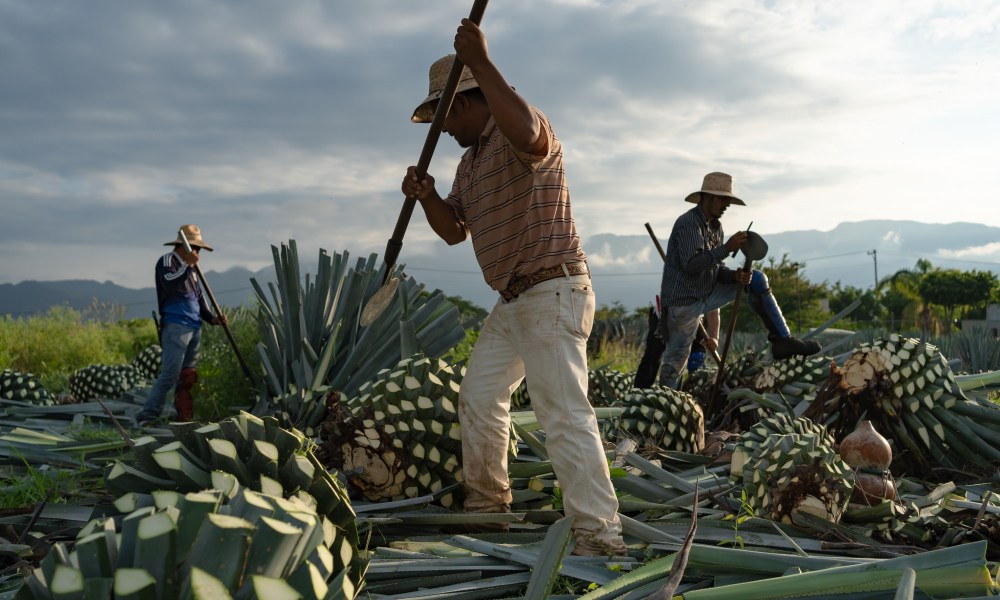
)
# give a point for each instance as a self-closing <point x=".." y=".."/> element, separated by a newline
<point x="223" y="389"/>
<point x="61" y="340"/>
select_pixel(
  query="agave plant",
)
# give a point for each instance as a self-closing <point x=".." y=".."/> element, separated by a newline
<point x="907" y="389"/>
<point x="148" y="361"/>
<point x="312" y="340"/>
<point x="796" y="473"/>
<point x="241" y="452"/>
<point x="400" y="438"/>
<point x="202" y="545"/>
<point x="778" y="424"/>
<point x="104" y="381"/>
<point x="15" y="385"/>
<point x="663" y="417"/>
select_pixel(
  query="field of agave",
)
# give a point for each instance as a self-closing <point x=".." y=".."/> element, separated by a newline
<point x="868" y="471"/>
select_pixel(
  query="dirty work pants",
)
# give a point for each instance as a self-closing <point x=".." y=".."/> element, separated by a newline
<point x="541" y="334"/>
<point x="681" y="326"/>
<point x="180" y="351"/>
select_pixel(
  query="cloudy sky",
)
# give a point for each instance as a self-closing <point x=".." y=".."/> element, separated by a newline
<point x="263" y="121"/>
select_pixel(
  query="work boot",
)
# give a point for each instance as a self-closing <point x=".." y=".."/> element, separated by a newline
<point x="786" y="347"/>
<point x="591" y="546"/>
<point x="183" y="400"/>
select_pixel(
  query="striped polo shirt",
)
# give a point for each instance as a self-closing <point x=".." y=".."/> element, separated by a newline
<point x="516" y="206"/>
<point x="695" y="252"/>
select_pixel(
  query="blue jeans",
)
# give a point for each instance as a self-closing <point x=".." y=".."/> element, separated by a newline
<point x="681" y="326"/>
<point x="180" y="351"/>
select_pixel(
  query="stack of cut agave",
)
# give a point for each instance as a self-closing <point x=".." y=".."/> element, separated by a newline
<point x="906" y="388"/>
<point x="794" y="473"/>
<point x="15" y="385"/>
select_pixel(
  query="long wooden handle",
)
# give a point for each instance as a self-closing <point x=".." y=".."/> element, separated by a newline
<point x="725" y="347"/>
<point x="216" y="308"/>
<point x="395" y="243"/>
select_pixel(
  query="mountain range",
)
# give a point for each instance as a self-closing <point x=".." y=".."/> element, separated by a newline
<point x="626" y="268"/>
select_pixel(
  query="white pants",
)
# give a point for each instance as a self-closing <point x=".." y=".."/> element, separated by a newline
<point x="542" y="335"/>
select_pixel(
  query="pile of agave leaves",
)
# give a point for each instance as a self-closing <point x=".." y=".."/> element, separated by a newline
<point x="344" y="480"/>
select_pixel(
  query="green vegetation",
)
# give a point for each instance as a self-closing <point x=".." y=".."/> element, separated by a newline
<point x="53" y="345"/>
<point x="222" y="387"/>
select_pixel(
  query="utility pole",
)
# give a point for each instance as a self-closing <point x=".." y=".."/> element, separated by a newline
<point x="874" y="254"/>
<point x="798" y="296"/>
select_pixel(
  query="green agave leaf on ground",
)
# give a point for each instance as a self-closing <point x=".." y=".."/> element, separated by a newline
<point x="960" y="571"/>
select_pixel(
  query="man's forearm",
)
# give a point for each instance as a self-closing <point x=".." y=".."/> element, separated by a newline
<point x="442" y="219"/>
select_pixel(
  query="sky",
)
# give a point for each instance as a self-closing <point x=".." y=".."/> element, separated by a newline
<point x="265" y="121"/>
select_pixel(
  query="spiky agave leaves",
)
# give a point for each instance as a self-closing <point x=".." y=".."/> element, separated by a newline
<point x="204" y="545"/>
<point x="149" y="361"/>
<point x="607" y="387"/>
<point x="311" y="335"/>
<point x="741" y="370"/>
<point x="15" y="385"/>
<point x="802" y="370"/>
<point x="906" y="388"/>
<point x="796" y="473"/>
<point x="778" y="424"/>
<point x="239" y="452"/>
<point x="400" y="438"/>
<point x="663" y="417"/>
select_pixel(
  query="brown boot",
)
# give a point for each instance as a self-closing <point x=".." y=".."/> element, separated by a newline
<point x="183" y="400"/>
<point x="591" y="546"/>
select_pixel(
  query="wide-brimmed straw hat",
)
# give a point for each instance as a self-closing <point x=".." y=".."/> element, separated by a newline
<point x="719" y="184"/>
<point x="193" y="235"/>
<point x="437" y="78"/>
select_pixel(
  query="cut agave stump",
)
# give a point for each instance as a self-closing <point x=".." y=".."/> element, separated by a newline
<point x="240" y="453"/>
<point x="204" y="545"/>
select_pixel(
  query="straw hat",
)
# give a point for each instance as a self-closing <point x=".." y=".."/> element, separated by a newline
<point x="719" y="184"/>
<point x="438" y="77"/>
<point x="193" y="235"/>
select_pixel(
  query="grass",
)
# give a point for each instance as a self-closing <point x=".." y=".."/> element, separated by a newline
<point x="41" y="483"/>
<point x="60" y="341"/>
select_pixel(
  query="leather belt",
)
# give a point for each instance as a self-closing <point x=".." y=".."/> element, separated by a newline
<point x="523" y="283"/>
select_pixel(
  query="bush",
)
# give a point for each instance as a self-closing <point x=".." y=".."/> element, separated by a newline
<point x="53" y="345"/>
<point x="223" y="388"/>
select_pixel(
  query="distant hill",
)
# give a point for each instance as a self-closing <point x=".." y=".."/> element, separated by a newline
<point x="626" y="268"/>
<point x="231" y="288"/>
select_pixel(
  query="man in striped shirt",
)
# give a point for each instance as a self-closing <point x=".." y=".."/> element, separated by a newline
<point x="510" y="194"/>
<point x="695" y="280"/>
<point x="182" y="309"/>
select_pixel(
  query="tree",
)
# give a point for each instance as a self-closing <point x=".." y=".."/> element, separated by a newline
<point x="867" y="312"/>
<point x="980" y="287"/>
<point x="616" y="311"/>
<point x="797" y="296"/>
<point x="943" y="287"/>
<point x="899" y="292"/>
